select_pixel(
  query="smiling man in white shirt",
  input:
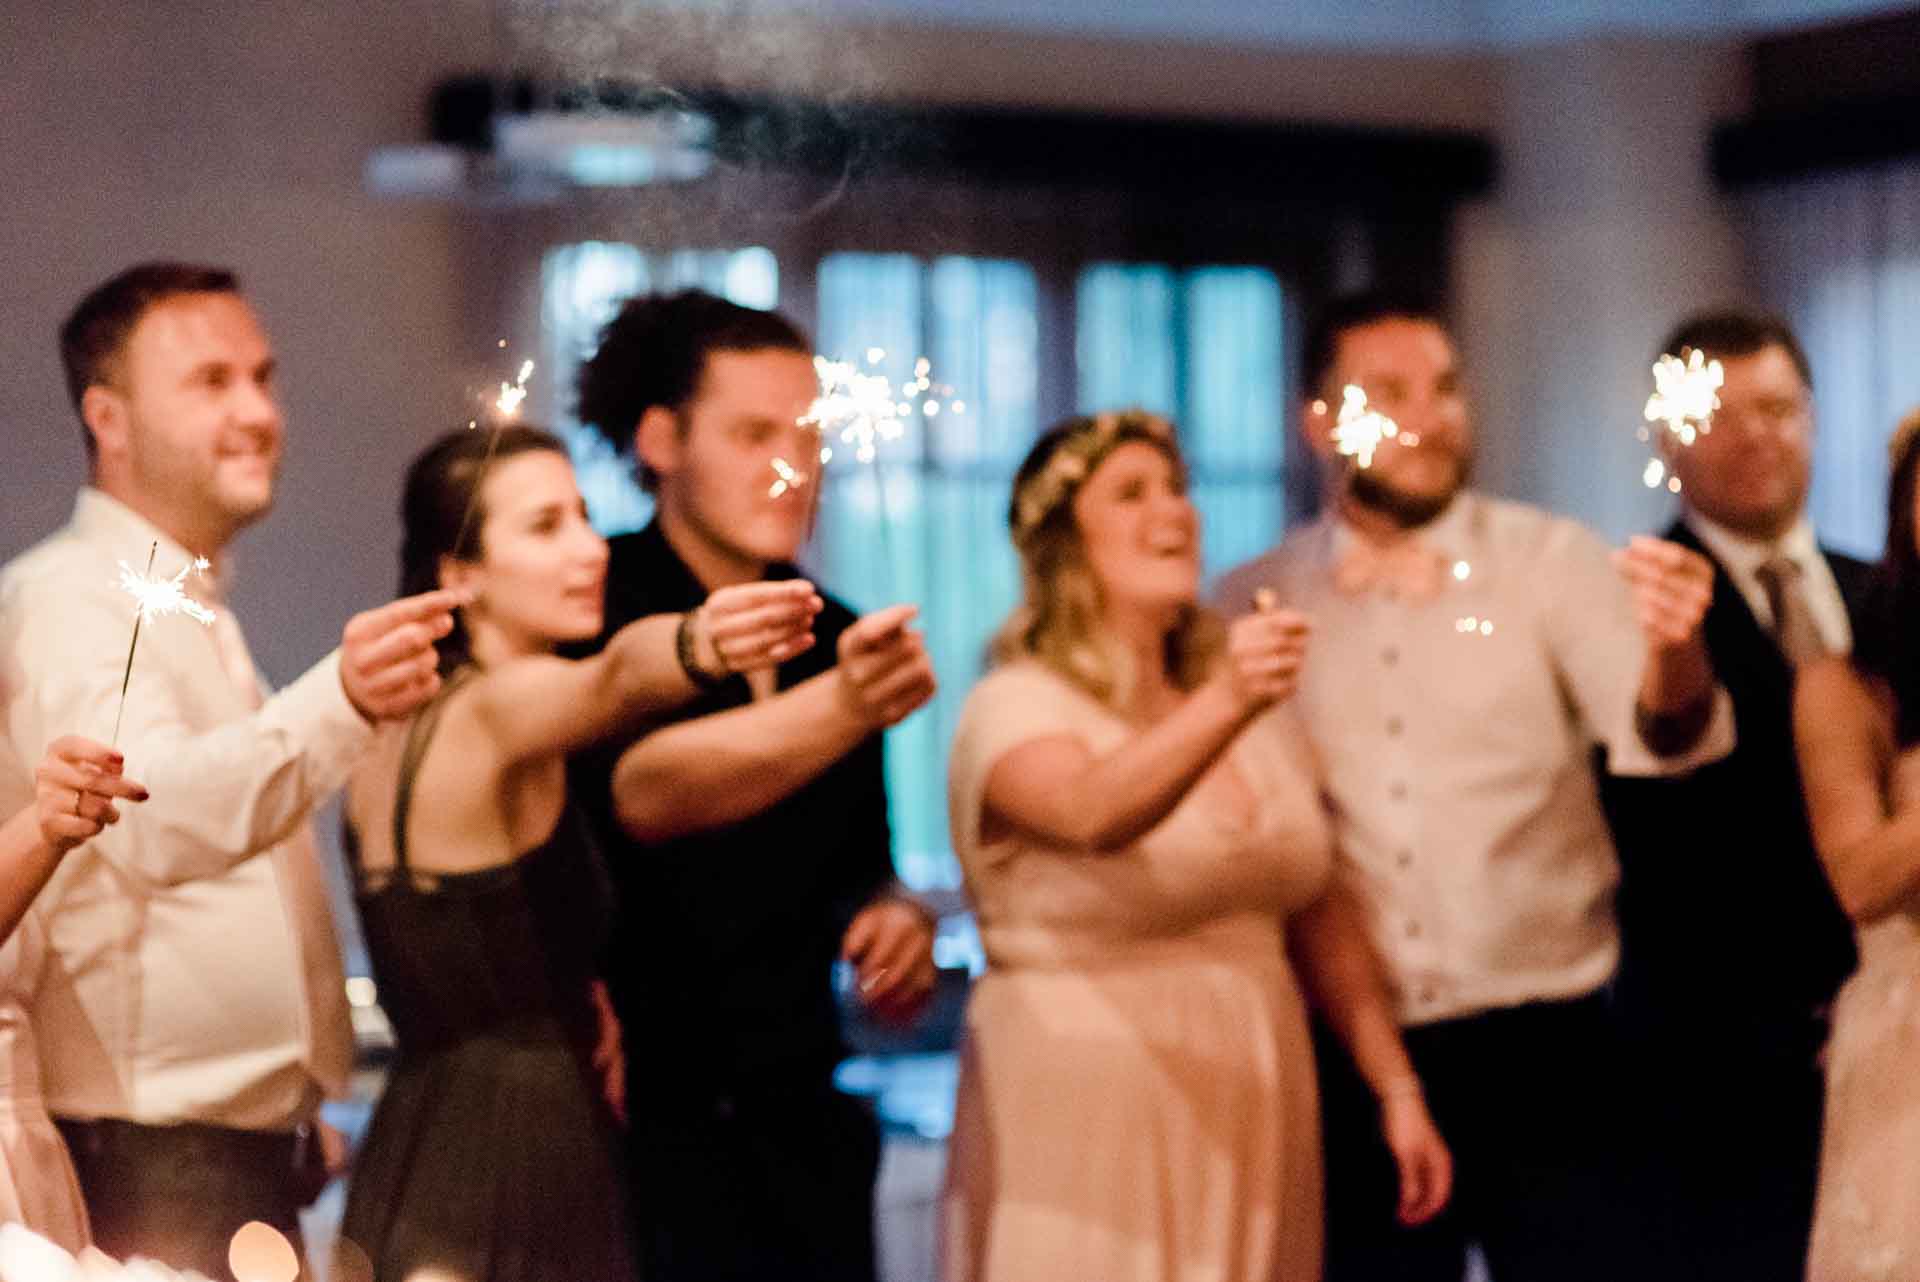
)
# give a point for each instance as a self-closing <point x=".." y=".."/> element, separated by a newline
<point x="1470" y="655"/>
<point x="192" y="1014"/>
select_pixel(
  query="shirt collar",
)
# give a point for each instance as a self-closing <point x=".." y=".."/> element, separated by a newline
<point x="1742" y="556"/>
<point x="1447" y="533"/>
<point x="670" y="577"/>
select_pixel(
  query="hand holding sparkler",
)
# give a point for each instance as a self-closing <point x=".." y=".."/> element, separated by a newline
<point x="1265" y="651"/>
<point x="75" y="788"/>
<point x="755" y="625"/>
<point x="388" y="664"/>
<point x="885" y="673"/>
<point x="1672" y="587"/>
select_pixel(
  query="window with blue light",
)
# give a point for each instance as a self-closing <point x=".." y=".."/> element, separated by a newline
<point x="926" y="520"/>
<point x="1203" y="346"/>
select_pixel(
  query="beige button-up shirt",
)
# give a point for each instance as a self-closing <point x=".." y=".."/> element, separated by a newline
<point x="177" y="988"/>
<point x="1456" y="738"/>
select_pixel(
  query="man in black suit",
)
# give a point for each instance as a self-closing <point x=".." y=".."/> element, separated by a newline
<point x="1732" y="943"/>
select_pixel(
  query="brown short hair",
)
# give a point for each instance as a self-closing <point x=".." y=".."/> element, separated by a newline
<point x="95" y="334"/>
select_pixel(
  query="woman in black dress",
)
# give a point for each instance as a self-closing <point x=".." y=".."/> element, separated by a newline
<point x="489" y="1158"/>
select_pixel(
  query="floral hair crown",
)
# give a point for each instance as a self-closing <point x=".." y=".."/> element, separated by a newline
<point x="1081" y="449"/>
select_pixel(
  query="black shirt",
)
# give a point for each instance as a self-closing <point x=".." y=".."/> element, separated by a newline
<point x="723" y="946"/>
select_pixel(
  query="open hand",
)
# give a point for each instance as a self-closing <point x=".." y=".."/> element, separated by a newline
<point x="1264" y="652"/>
<point x="756" y="625"/>
<point x="1672" y="587"/>
<point x="388" y="666"/>
<point x="884" y="670"/>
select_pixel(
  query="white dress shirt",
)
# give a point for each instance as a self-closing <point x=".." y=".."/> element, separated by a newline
<point x="193" y="975"/>
<point x="1742" y="557"/>
<point x="1456" y="736"/>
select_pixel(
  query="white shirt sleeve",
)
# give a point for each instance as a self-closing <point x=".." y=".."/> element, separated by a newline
<point x="226" y="783"/>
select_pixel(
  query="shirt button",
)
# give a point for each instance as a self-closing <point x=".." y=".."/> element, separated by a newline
<point x="1397" y="790"/>
<point x="1390" y="655"/>
<point x="1395" y="726"/>
<point x="1404" y="859"/>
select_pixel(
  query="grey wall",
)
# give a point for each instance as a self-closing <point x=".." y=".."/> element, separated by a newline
<point x="237" y="134"/>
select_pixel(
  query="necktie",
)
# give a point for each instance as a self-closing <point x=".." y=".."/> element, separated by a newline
<point x="1793" y="623"/>
<point x="303" y="894"/>
<point x="1407" y="567"/>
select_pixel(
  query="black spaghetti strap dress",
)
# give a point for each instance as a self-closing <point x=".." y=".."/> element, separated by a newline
<point x="491" y="1156"/>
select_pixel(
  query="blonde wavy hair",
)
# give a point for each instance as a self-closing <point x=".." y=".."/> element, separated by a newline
<point x="1058" y="620"/>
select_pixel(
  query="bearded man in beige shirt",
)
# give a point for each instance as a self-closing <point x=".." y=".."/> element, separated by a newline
<point x="1472" y="654"/>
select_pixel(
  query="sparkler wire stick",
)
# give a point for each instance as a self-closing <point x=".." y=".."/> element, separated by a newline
<point x="154" y="596"/>
<point x="126" y="678"/>
<point x="508" y="406"/>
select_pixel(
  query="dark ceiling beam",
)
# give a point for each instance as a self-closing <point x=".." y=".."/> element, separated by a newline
<point x="1337" y="164"/>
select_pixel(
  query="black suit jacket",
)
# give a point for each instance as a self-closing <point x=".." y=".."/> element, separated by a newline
<point x="1732" y="942"/>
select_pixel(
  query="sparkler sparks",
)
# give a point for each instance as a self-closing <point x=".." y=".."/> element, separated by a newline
<point x="508" y="406"/>
<point x="860" y="408"/>
<point x="1686" y="392"/>
<point x="1359" y="430"/>
<point x="155" y="598"/>
<point x="864" y="409"/>
<point x="514" y="393"/>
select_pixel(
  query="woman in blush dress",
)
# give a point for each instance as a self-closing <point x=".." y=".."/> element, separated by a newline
<point x="490" y="1157"/>
<point x="1142" y="840"/>
<point x="76" y="789"/>
<point x="1857" y="724"/>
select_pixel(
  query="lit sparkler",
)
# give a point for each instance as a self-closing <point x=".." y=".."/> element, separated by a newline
<point x="514" y="393"/>
<point x="507" y="405"/>
<point x="1359" y="430"/>
<point x="1686" y="392"/>
<point x="863" y="409"/>
<point x="155" y="598"/>
<point x="860" y="407"/>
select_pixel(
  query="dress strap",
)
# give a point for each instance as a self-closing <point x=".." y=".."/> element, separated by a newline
<point x="419" y="737"/>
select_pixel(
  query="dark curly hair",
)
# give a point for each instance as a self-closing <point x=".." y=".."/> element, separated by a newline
<point x="654" y="352"/>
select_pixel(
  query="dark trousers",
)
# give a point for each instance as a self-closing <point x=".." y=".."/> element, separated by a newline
<point x="178" y="1194"/>
<point x="1728" y="1144"/>
<point x="767" y="1186"/>
<point x="1528" y="1099"/>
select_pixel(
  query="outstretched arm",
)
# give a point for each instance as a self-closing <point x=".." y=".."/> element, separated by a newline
<point x="548" y="706"/>
<point x="712" y="771"/>
<point x="222" y="793"/>
<point x="1059" y="791"/>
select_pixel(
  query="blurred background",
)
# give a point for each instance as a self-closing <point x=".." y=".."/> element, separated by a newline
<point x="1066" y="206"/>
